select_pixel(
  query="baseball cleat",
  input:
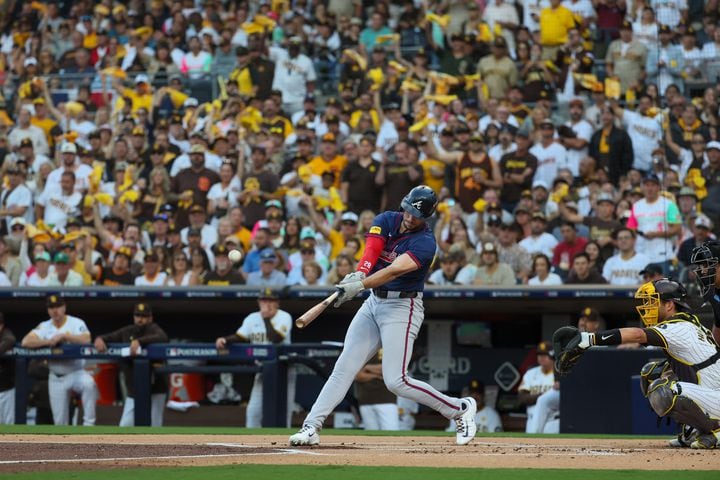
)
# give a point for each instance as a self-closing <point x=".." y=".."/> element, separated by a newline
<point x="684" y="438"/>
<point x="708" y="441"/>
<point x="307" y="435"/>
<point x="466" y="427"/>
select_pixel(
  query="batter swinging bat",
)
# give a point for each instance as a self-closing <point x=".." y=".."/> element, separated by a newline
<point x="307" y="317"/>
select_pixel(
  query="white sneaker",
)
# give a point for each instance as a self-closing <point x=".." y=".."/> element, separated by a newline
<point x="307" y="435"/>
<point x="466" y="427"/>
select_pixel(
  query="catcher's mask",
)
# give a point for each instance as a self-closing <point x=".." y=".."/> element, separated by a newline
<point x="704" y="262"/>
<point x="652" y="293"/>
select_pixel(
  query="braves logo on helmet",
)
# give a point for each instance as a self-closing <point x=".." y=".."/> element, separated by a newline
<point x="420" y="202"/>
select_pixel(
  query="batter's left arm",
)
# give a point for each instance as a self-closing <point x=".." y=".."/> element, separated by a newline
<point x="399" y="267"/>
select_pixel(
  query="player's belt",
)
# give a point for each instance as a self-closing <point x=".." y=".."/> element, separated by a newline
<point x="710" y="361"/>
<point x="391" y="294"/>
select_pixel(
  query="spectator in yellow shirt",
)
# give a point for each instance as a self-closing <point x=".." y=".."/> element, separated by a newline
<point x="555" y="22"/>
<point x="140" y="97"/>
<point x="328" y="160"/>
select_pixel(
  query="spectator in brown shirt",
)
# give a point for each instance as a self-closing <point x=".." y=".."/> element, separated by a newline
<point x="193" y="183"/>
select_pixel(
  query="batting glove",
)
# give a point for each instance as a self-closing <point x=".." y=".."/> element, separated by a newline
<point x="353" y="277"/>
<point x="348" y="291"/>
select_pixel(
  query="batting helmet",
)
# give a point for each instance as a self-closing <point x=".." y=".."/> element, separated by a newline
<point x="420" y="202"/>
<point x="704" y="262"/>
<point x="652" y="293"/>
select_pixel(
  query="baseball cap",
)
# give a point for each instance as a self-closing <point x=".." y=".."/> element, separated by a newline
<point x="190" y="102"/>
<point x="42" y="257"/>
<point x="142" y="309"/>
<point x="712" y="145"/>
<point x="26" y="142"/>
<point x="303" y="139"/>
<point x="476" y="386"/>
<point x="273" y="203"/>
<point x="197" y="148"/>
<point x="539" y="216"/>
<point x="591" y="314"/>
<point x="547" y="121"/>
<point x="687" y="192"/>
<point x="572" y="206"/>
<point x="349" y="217"/>
<point x="307" y="233"/>
<point x="140" y="131"/>
<point x="124" y="251"/>
<point x="62" y="257"/>
<point x="268" y="255"/>
<point x="651" y="177"/>
<point x="605" y="197"/>
<point x="702" y="221"/>
<point x="268" y="294"/>
<point x="194" y="232"/>
<point x="328" y="137"/>
<point x="196" y="209"/>
<point x="494" y="220"/>
<point x="626" y="25"/>
<point x="68" y="147"/>
<point x="652" y="269"/>
<point x="163" y="217"/>
<point x="307" y="246"/>
<point x="544" y="348"/>
<point x="141" y="78"/>
<point x="30" y="61"/>
<point x="54" y="300"/>
<point x="220" y="249"/>
<point x="540" y="184"/>
<point x="661" y="29"/>
<point x="489" y="247"/>
<point x="275" y="216"/>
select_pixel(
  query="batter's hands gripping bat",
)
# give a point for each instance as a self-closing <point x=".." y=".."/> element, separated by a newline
<point x="307" y="317"/>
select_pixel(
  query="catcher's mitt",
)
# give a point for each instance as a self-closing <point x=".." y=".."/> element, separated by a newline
<point x="566" y="341"/>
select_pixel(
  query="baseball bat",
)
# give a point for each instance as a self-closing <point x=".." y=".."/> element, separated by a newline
<point x="307" y="317"/>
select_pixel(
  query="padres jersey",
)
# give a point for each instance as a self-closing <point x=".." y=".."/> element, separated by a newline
<point x="420" y="245"/>
<point x="72" y="325"/>
<point x="536" y="382"/>
<point x="253" y="327"/>
<point x="687" y="342"/>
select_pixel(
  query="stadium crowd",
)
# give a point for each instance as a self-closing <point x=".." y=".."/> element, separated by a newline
<point x="141" y="141"/>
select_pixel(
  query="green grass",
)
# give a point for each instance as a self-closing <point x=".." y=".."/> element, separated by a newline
<point x="113" y="430"/>
<point x="290" y="472"/>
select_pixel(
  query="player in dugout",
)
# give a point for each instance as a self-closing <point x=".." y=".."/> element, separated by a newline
<point x="143" y="331"/>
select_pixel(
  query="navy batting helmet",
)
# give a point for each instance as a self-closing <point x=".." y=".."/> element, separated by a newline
<point x="420" y="202"/>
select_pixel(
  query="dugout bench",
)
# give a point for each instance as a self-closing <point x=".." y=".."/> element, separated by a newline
<point x="271" y="360"/>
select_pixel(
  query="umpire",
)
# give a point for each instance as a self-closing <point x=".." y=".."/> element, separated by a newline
<point x="142" y="332"/>
<point x="7" y="375"/>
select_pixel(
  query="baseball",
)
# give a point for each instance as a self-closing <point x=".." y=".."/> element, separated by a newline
<point x="235" y="255"/>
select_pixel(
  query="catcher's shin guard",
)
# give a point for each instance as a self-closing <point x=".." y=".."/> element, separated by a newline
<point x="666" y="399"/>
<point x="650" y="372"/>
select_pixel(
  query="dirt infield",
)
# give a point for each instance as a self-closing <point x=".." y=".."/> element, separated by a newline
<point x="66" y="452"/>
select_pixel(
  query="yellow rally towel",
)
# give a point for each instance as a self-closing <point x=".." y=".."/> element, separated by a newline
<point x="442" y="20"/>
<point x="480" y="205"/>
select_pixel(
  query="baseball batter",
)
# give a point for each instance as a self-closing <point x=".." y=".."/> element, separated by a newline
<point x="65" y="375"/>
<point x="7" y="375"/>
<point x="142" y="332"/>
<point x="269" y="325"/>
<point x="687" y="387"/>
<point x="399" y="250"/>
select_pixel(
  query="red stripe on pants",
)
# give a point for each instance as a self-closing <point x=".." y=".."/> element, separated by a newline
<point x="405" y="378"/>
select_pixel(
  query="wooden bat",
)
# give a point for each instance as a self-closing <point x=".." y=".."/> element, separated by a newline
<point x="307" y="317"/>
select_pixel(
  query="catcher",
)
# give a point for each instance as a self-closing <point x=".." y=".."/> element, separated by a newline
<point x="686" y="387"/>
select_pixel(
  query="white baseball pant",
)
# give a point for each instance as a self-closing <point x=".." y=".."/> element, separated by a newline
<point x="392" y="323"/>
<point x="543" y="418"/>
<point x="254" y="412"/>
<point x="380" y="416"/>
<point x="707" y="399"/>
<point x="59" y="388"/>
<point x="7" y="407"/>
<point x="157" y="409"/>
